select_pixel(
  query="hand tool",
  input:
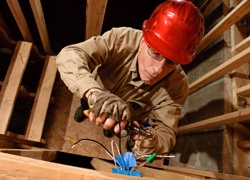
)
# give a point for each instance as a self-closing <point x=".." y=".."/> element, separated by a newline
<point x="83" y="112"/>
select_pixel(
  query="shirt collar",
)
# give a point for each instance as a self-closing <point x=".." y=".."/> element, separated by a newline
<point x="136" y="80"/>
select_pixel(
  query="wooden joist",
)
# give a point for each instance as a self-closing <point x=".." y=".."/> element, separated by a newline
<point x="170" y="172"/>
<point x="12" y="82"/>
<point x="208" y="6"/>
<point x="242" y="45"/>
<point x="244" y="90"/>
<point x="42" y="99"/>
<point x="95" y="11"/>
<point x="20" y="19"/>
<point x="13" y="166"/>
<point x="37" y="10"/>
<point x="229" y="65"/>
<point x="244" y="144"/>
<point x="104" y="166"/>
<point x="237" y="116"/>
<point x="231" y="18"/>
<point x="19" y="140"/>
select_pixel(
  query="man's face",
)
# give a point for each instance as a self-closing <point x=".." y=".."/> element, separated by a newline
<point x="152" y="66"/>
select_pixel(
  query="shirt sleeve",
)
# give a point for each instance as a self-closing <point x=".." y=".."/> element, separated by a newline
<point x="164" y="118"/>
<point x="75" y="62"/>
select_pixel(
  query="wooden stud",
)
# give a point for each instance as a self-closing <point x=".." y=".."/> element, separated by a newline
<point x="229" y="65"/>
<point x="237" y="116"/>
<point x="245" y="43"/>
<point x="20" y="140"/>
<point x="235" y="15"/>
<point x="41" y="103"/>
<point x="244" y="90"/>
<point x="14" y="166"/>
<point x="37" y="10"/>
<point x="104" y="166"/>
<point x="95" y="12"/>
<point x="20" y="19"/>
<point x="12" y="82"/>
<point x="244" y="144"/>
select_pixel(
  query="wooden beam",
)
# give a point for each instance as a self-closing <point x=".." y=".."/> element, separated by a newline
<point x="242" y="45"/>
<point x="95" y="11"/>
<point x="39" y="153"/>
<point x="244" y="90"/>
<point x="42" y="99"/>
<point x="237" y="116"/>
<point x="244" y="144"/>
<point x="37" y="10"/>
<point x="104" y="166"/>
<point x="14" y="166"/>
<point x="19" y="140"/>
<point x="12" y="82"/>
<point x="20" y="19"/>
<point x="231" y="18"/>
<point x="208" y="6"/>
<point x="229" y="65"/>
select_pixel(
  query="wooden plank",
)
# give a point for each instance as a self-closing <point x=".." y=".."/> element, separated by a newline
<point x="37" y="10"/>
<point x="20" y="19"/>
<point x="231" y="18"/>
<point x="18" y="166"/>
<point x="104" y="166"/>
<point x="95" y="11"/>
<point x="244" y="90"/>
<point x="242" y="45"/>
<point x="42" y="154"/>
<point x="208" y="6"/>
<point x="237" y="116"/>
<point x="42" y="99"/>
<point x="229" y="65"/>
<point x="23" y="91"/>
<point x="18" y="139"/>
<point x="244" y="144"/>
<point x="12" y="82"/>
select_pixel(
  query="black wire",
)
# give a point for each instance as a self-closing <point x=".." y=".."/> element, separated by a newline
<point x="119" y="121"/>
<point x="95" y="142"/>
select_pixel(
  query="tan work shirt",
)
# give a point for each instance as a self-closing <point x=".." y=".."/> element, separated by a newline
<point x="112" y="59"/>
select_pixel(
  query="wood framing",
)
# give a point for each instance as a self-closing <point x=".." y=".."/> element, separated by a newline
<point x="226" y="67"/>
<point x="237" y="116"/>
<point x="235" y="15"/>
<point x="12" y="82"/>
<point x="39" y="111"/>
<point x="20" y="19"/>
<point x="95" y="11"/>
<point x="17" y="167"/>
<point x="170" y="172"/>
<point x="37" y="10"/>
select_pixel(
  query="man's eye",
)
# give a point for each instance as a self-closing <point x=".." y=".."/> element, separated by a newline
<point x="156" y="53"/>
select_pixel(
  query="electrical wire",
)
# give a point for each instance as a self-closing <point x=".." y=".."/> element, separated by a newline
<point x="106" y="150"/>
<point x="159" y="156"/>
<point x="112" y="147"/>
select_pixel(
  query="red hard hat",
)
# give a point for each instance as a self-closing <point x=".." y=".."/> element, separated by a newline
<point x="174" y="29"/>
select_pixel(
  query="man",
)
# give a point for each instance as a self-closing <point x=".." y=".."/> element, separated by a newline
<point x="136" y="75"/>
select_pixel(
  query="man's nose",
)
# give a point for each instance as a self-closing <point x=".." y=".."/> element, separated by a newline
<point x="159" y="66"/>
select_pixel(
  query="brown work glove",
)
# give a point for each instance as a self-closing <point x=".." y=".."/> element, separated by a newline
<point x="115" y="107"/>
<point x="146" y="146"/>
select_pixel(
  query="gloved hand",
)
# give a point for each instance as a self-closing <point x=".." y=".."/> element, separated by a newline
<point x="145" y="146"/>
<point x="105" y="102"/>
